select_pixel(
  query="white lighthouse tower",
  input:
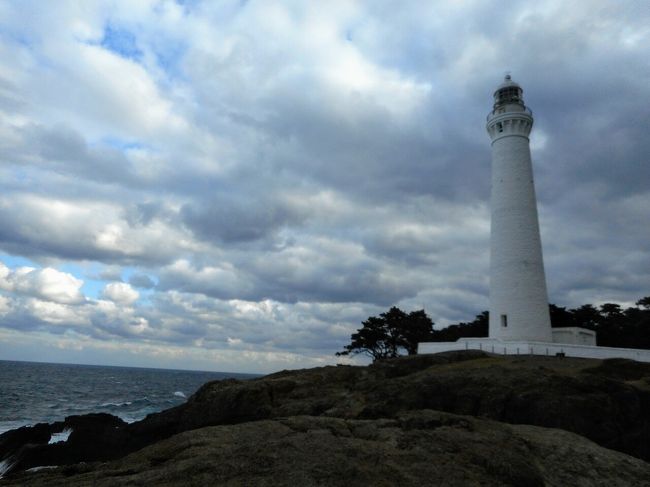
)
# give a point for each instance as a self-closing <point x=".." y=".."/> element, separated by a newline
<point x="518" y="297"/>
<point x="519" y="314"/>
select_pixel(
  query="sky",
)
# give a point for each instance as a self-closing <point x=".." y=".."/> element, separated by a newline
<point x="237" y="185"/>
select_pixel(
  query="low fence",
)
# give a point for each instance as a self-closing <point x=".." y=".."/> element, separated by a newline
<point x="534" y="348"/>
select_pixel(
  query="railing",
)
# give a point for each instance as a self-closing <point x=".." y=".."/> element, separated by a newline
<point x="535" y="348"/>
<point x="493" y="112"/>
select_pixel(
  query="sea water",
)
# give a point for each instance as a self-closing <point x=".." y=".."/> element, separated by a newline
<point x="33" y="393"/>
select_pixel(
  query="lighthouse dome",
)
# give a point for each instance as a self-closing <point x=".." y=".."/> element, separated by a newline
<point x="508" y="83"/>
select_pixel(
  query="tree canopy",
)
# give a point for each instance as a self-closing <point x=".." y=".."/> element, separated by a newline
<point x="390" y="333"/>
<point x="614" y="325"/>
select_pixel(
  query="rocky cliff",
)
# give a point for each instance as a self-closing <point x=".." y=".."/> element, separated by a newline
<point x="464" y="418"/>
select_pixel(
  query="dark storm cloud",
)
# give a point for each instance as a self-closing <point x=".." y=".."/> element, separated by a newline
<point x="141" y="281"/>
<point x="142" y="214"/>
<point x="64" y="150"/>
<point x="235" y="219"/>
<point x="31" y="240"/>
<point x="337" y="284"/>
<point x="359" y="147"/>
<point x="290" y="278"/>
<point x="22" y="320"/>
<point x="376" y="158"/>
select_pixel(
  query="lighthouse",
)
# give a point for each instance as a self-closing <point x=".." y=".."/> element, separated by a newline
<point x="518" y="297"/>
<point x="519" y="316"/>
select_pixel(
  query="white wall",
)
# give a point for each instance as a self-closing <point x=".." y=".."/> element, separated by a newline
<point x="534" y="348"/>
<point x="574" y="335"/>
<point x="517" y="280"/>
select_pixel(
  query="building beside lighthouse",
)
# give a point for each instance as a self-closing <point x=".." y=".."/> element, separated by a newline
<point x="519" y="311"/>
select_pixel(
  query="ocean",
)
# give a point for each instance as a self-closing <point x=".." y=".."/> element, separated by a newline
<point x="33" y="392"/>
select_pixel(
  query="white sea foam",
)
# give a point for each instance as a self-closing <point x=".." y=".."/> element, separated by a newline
<point x="61" y="436"/>
<point x="180" y="394"/>
<point x="115" y="404"/>
<point x="43" y="467"/>
<point x="5" y="466"/>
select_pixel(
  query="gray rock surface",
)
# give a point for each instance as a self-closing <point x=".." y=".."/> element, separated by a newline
<point x="417" y="448"/>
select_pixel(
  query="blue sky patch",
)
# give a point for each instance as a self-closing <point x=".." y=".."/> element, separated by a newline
<point x="121" y="42"/>
<point x="14" y="261"/>
<point x="121" y="144"/>
<point x="169" y="56"/>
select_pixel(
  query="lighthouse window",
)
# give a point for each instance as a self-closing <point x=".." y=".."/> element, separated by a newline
<point x="500" y="127"/>
<point x="504" y="320"/>
<point x="509" y="95"/>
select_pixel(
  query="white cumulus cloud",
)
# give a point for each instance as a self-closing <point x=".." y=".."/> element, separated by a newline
<point x="120" y="293"/>
<point x="47" y="284"/>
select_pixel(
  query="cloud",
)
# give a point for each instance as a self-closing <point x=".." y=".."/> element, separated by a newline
<point x="235" y="219"/>
<point x="120" y="293"/>
<point x="267" y="175"/>
<point x="110" y="273"/>
<point x="53" y="313"/>
<point x="49" y="284"/>
<point x="5" y="305"/>
<point x="325" y="270"/>
<point x="141" y="281"/>
<point x="82" y="230"/>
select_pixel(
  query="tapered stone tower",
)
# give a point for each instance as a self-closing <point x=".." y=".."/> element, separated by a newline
<point x="518" y="297"/>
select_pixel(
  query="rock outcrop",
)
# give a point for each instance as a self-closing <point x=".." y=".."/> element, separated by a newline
<point x="432" y="419"/>
<point x="415" y="448"/>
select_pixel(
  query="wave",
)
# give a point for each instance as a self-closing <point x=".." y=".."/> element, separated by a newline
<point x="42" y="467"/>
<point x="61" y="436"/>
<point x="180" y="394"/>
<point x="6" y="465"/>
<point x="115" y="404"/>
<point x="126" y="404"/>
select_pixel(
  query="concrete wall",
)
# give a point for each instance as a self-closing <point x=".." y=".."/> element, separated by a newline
<point x="534" y="348"/>
<point x="574" y="335"/>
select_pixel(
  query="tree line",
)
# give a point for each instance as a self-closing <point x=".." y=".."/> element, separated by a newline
<point x="396" y="332"/>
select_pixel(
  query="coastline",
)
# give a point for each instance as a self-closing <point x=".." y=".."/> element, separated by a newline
<point x="37" y="392"/>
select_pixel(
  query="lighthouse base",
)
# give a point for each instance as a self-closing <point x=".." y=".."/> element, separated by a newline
<point x="496" y="346"/>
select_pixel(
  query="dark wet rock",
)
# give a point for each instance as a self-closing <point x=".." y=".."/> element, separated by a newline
<point x="607" y="402"/>
<point x="29" y="447"/>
